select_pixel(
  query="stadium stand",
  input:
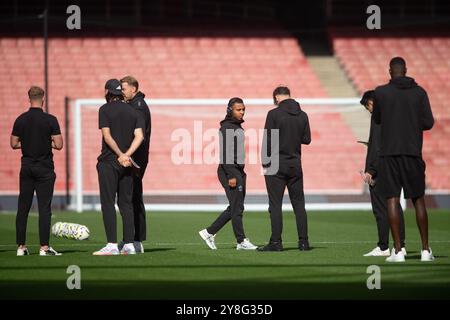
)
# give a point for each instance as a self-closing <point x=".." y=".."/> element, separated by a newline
<point x="427" y="62"/>
<point x="174" y="67"/>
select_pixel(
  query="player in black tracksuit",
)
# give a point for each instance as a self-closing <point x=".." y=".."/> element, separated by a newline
<point x="379" y="207"/>
<point x="403" y="110"/>
<point x="231" y="176"/>
<point x="130" y="87"/>
<point x="294" y="130"/>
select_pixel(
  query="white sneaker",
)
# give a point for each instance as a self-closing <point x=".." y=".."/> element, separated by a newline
<point x="396" y="257"/>
<point x="209" y="238"/>
<point x="128" y="248"/>
<point x="49" y="252"/>
<point x="404" y="251"/>
<point x="377" y="252"/>
<point x="22" y="252"/>
<point x="427" y="255"/>
<point x="109" y="250"/>
<point x="246" y="245"/>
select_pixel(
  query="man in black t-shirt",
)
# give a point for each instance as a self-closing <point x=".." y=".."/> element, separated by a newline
<point x="122" y="131"/>
<point x="36" y="133"/>
<point x="403" y="110"/>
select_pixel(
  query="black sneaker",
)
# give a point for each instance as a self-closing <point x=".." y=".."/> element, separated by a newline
<point x="303" y="246"/>
<point x="49" y="252"/>
<point x="271" y="246"/>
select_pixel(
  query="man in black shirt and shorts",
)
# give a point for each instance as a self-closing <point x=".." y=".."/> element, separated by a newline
<point x="403" y="110"/>
<point x="36" y="133"/>
<point x="122" y="131"/>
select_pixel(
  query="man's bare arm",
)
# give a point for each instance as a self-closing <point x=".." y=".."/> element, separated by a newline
<point x="138" y="138"/>
<point x="57" y="142"/>
<point x="15" y="142"/>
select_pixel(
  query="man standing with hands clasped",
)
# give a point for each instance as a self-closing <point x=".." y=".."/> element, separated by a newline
<point x="122" y="131"/>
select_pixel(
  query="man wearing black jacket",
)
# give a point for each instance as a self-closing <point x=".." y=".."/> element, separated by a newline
<point x="379" y="207"/>
<point x="130" y="90"/>
<point x="403" y="110"/>
<point x="231" y="176"/>
<point x="292" y="126"/>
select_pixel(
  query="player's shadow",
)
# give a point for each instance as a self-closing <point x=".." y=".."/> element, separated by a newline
<point x="418" y="256"/>
<point x="311" y="248"/>
<point x="158" y="249"/>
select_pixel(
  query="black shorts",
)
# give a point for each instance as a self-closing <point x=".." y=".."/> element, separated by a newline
<point x="397" y="172"/>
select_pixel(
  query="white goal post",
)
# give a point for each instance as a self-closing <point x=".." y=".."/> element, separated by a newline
<point x="79" y="193"/>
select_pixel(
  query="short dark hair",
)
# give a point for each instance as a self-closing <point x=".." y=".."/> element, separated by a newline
<point x="397" y="65"/>
<point x="113" y="97"/>
<point x="131" y="81"/>
<point x="36" y="93"/>
<point x="368" y="95"/>
<point x="281" y="90"/>
<point x="233" y="101"/>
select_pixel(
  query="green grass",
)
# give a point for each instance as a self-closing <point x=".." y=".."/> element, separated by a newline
<point x="178" y="265"/>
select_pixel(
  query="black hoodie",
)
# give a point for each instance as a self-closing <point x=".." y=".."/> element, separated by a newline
<point x="293" y="125"/>
<point x="403" y="110"/>
<point x="141" y="154"/>
<point x="234" y="167"/>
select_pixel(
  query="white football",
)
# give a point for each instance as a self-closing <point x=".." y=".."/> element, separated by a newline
<point x="70" y="231"/>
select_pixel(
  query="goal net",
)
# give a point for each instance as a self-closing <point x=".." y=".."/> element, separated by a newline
<point x="182" y="171"/>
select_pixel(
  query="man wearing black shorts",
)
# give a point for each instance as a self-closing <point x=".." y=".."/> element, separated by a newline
<point x="36" y="133"/>
<point x="403" y="110"/>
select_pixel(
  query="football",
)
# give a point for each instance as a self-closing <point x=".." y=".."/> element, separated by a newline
<point x="70" y="231"/>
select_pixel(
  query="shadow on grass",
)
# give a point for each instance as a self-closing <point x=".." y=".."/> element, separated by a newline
<point x="226" y="289"/>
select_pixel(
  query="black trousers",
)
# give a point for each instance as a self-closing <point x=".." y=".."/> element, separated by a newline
<point x="140" y="226"/>
<point x="292" y="178"/>
<point x="235" y="209"/>
<point x="41" y="180"/>
<point x="116" y="180"/>
<point x="379" y="208"/>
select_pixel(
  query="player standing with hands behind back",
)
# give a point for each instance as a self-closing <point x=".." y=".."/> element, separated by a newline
<point x="122" y="134"/>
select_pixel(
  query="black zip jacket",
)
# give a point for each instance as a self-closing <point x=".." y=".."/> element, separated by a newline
<point x="233" y="142"/>
<point x="403" y="110"/>
<point x="294" y="130"/>
<point x="373" y="148"/>
<point x="141" y="154"/>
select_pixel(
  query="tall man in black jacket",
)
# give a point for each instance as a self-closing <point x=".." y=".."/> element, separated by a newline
<point x="379" y="207"/>
<point x="231" y="176"/>
<point x="292" y="126"/>
<point x="130" y="90"/>
<point x="403" y="110"/>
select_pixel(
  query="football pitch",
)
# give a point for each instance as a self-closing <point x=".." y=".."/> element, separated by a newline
<point x="178" y="265"/>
